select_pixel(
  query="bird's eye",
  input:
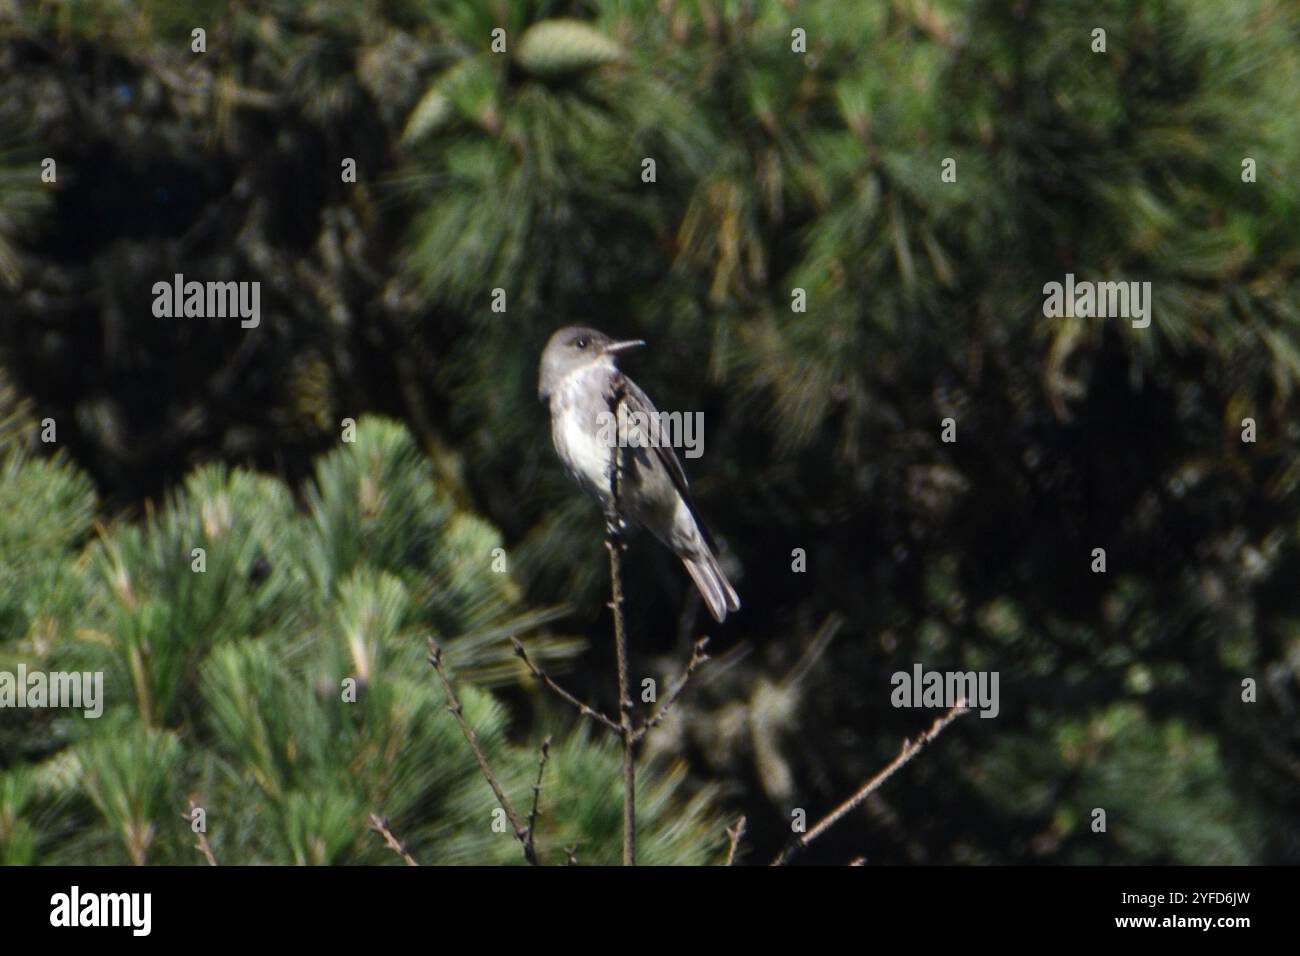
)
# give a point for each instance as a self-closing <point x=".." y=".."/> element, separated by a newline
<point x="582" y="342"/>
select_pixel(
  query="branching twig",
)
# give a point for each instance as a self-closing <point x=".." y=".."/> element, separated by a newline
<point x="909" y="750"/>
<point x="380" y="825"/>
<point x="453" y="705"/>
<point x="698" y="657"/>
<point x="614" y="543"/>
<point x="537" y="789"/>
<point x="735" y="835"/>
<point x="560" y="692"/>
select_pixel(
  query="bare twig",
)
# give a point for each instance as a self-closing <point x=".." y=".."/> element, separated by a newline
<point x="453" y="705"/>
<point x="909" y="750"/>
<point x="202" y="844"/>
<point x="380" y="825"/>
<point x="537" y="788"/>
<point x="560" y="692"/>
<point x="614" y="544"/>
<point x="735" y="835"/>
<point x="698" y="657"/>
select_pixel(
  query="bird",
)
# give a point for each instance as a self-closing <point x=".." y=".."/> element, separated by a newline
<point x="579" y="380"/>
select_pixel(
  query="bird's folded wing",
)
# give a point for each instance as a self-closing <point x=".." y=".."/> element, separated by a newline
<point x="636" y="401"/>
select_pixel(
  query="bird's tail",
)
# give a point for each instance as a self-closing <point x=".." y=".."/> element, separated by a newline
<point x="717" y="592"/>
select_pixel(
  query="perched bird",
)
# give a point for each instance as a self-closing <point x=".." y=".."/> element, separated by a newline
<point x="578" y="379"/>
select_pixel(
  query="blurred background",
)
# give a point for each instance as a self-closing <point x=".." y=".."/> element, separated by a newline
<point x="796" y="145"/>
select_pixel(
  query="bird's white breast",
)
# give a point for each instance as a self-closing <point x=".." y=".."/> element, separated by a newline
<point x="576" y="432"/>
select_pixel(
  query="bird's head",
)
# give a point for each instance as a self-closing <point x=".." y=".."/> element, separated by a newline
<point x="573" y="349"/>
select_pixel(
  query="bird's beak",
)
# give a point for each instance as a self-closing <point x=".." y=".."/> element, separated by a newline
<point x="615" y="347"/>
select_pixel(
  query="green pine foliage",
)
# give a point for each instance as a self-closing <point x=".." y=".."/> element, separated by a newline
<point x="226" y="681"/>
<point x="776" y="170"/>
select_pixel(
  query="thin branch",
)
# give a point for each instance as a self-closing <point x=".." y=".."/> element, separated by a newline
<point x="537" y="788"/>
<point x="380" y="825"/>
<point x="453" y="705"/>
<point x="735" y="835"/>
<point x="698" y="656"/>
<point x="560" y="692"/>
<point x="909" y="750"/>
<point x="203" y="846"/>
<point x="614" y="544"/>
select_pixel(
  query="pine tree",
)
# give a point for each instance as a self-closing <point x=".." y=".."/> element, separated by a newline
<point x="265" y="662"/>
<point x="815" y="166"/>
